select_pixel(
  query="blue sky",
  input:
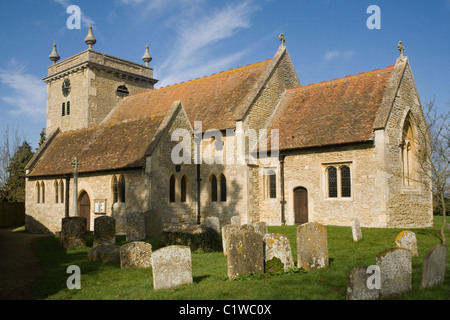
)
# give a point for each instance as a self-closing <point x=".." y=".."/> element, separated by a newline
<point x="326" y="39"/>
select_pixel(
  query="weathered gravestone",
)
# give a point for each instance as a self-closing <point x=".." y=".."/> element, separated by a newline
<point x="356" y="230"/>
<point x="213" y="223"/>
<point x="395" y="271"/>
<point x="226" y="232"/>
<point x="136" y="255"/>
<point x="260" y="227"/>
<point x="105" y="253"/>
<point x="433" y="267"/>
<point x="312" y="246"/>
<point x="135" y="226"/>
<point x="277" y="246"/>
<point x="407" y="240"/>
<point x="73" y="232"/>
<point x="172" y="267"/>
<point x="236" y="220"/>
<point x="357" y="288"/>
<point x="154" y="224"/>
<point x="245" y="253"/>
<point x="104" y="231"/>
<point x="119" y="215"/>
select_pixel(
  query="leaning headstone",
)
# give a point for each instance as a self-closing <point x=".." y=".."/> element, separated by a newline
<point x="277" y="246"/>
<point x="135" y="226"/>
<point x="213" y="223"/>
<point x="154" y="224"/>
<point x="104" y="231"/>
<point x="172" y="267"/>
<point x="312" y="246"/>
<point x="236" y="220"/>
<point x="105" y="253"/>
<point x="356" y="230"/>
<point x="395" y="271"/>
<point x="357" y="288"/>
<point x="226" y="232"/>
<point x="73" y="232"/>
<point x="407" y="240"/>
<point x="136" y="255"/>
<point x="260" y="227"/>
<point x="433" y="267"/>
<point x="245" y="253"/>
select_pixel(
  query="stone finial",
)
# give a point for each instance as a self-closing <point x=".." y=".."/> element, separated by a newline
<point x="54" y="56"/>
<point x="282" y="38"/>
<point x="401" y="48"/>
<point x="147" y="57"/>
<point x="90" y="39"/>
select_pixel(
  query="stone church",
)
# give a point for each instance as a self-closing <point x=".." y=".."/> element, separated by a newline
<point x="345" y="148"/>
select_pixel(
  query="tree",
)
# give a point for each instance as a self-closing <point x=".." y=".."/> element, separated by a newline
<point x="43" y="138"/>
<point x="434" y="154"/>
<point x="10" y="140"/>
<point x="14" y="189"/>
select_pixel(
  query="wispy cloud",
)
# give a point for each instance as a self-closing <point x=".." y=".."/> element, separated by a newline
<point x="28" y="94"/>
<point x="196" y="37"/>
<point x="85" y="19"/>
<point x="335" y="55"/>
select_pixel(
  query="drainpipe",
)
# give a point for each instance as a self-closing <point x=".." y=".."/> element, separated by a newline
<point x="198" y="194"/>
<point x="283" y="200"/>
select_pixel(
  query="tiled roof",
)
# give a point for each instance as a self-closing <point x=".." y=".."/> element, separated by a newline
<point x="103" y="147"/>
<point x="215" y="99"/>
<point x="330" y="113"/>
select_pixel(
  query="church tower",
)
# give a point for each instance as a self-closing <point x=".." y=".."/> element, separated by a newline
<point x="83" y="89"/>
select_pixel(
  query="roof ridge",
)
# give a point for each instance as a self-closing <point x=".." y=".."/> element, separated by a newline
<point x="343" y="79"/>
<point x="201" y="78"/>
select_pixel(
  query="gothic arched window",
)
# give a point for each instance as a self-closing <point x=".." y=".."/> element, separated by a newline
<point x="346" y="184"/>
<point x="115" y="189"/>
<point x="183" y="189"/>
<point x="408" y="150"/>
<point x="332" y="182"/>
<point x="56" y="192"/>
<point x="122" y="189"/>
<point x="213" y="188"/>
<point x="223" y="188"/>
<point x="172" y="189"/>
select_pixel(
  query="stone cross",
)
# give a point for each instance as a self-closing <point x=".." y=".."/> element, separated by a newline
<point x="401" y="48"/>
<point x="75" y="164"/>
<point x="282" y="38"/>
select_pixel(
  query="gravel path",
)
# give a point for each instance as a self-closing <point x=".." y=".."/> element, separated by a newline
<point x="18" y="265"/>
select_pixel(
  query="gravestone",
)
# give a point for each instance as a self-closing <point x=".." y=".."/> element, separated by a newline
<point x="236" y="220"/>
<point x="226" y="232"/>
<point x="260" y="227"/>
<point x="395" y="271"/>
<point x="135" y="226"/>
<point x="136" y="255"/>
<point x="119" y="215"/>
<point x="356" y="230"/>
<point x="312" y="246"/>
<point x="73" y="232"/>
<point x="278" y="246"/>
<point x="433" y="267"/>
<point x="105" y="253"/>
<point x="104" y="231"/>
<point x="357" y="288"/>
<point x="213" y="223"/>
<point x="245" y="253"/>
<point x="407" y="240"/>
<point x="172" y="267"/>
<point x="154" y="225"/>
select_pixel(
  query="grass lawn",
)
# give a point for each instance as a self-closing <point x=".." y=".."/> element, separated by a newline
<point x="108" y="281"/>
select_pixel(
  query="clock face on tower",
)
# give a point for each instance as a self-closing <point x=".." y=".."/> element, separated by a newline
<point x="66" y="87"/>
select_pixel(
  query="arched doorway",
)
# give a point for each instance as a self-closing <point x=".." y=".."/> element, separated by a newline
<point x="84" y="204"/>
<point x="301" y="205"/>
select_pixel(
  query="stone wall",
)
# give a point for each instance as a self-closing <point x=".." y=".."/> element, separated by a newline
<point x="46" y="217"/>
<point x="411" y="206"/>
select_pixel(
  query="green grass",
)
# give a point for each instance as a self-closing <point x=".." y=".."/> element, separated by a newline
<point x="108" y="281"/>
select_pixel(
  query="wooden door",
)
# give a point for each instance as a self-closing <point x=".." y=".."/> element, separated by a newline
<point x="85" y="208"/>
<point x="301" y="205"/>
